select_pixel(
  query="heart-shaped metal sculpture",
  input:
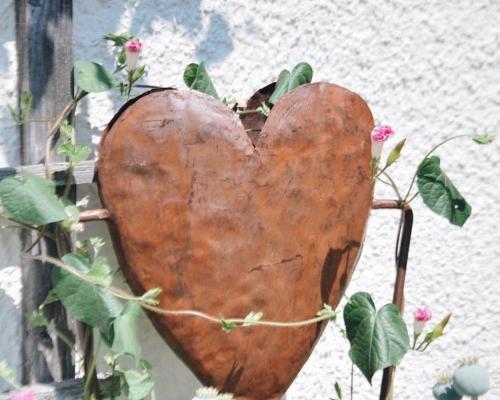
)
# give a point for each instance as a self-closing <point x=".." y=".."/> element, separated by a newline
<point x="228" y="227"/>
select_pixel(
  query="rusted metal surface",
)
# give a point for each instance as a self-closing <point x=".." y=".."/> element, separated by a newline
<point x="99" y="214"/>
<point x="226" y="228"/>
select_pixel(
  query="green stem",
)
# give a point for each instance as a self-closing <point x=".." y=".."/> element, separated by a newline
<point x="55" y="127"/>
<point x="88" y="379"/>
<point x="186" y="313"/>
<point x="412" y="197"/>
<point x="393" y="185"/>
<point x="428" y="154"/>
<point x="247" y="112"/>
<point x="415" y="337"/>
<point x="65" y="339"/>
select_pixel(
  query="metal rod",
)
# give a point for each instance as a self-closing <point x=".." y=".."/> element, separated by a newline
<point x="402" y="261"/>
<point x="98" y="214"/>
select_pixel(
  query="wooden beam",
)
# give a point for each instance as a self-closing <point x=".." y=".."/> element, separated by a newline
<point x="44" y="37"/>
<point x="82" y="173"/>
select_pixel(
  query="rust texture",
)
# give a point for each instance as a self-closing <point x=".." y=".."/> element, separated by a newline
<point x="226" y="227"/>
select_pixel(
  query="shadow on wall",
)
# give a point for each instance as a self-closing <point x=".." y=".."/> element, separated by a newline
<point x="212" y="44"/>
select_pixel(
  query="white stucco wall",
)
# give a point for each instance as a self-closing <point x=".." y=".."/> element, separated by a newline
<point x="430" y="69"/>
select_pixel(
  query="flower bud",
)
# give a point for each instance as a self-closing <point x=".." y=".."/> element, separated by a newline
<point x="132" y="51"/>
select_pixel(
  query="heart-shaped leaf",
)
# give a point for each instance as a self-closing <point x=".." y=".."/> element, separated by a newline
<point x="137" y="384"/>
<point x="126" y="335"/>
<point x="31" y="200"/>
<point x="379" y="339"/>
<point x="196" y="77"/>
<point x="76" y="153"/>
<point x="93" y="77"/>
<point x="87" y="303"/>
<point x="439" y="193"/>
<point x="300" y="75"/>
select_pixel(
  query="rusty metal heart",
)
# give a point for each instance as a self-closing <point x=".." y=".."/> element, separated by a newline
<point x="227" y="227"/>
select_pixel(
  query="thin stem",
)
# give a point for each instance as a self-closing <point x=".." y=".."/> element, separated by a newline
<point x="412" y="197"/>
<point x="415" y="337"/>
<point x="121" y="294"/>
<point x="352" y="381"/>
<point x="393" y="184"/>
<point x="151" y="87"/>
<point x="428" y="154"/>
<point x="55" y="128"/>
<point x="41" y="234"/>
<point x="65" y="339"/>
<point x="247" y="112"/>
<point x="88" y="379"/>
<point x="26" y="226"/>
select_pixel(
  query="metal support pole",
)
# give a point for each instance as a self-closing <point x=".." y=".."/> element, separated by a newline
<point x="401" y="263"/>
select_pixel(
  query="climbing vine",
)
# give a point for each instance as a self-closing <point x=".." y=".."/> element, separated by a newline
<point x="83" y="279"/>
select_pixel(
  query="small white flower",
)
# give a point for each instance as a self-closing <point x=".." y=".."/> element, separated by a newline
<point x="212" y="393"/>
<point x="79" y="227"/>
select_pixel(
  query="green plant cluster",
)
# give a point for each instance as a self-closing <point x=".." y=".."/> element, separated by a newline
<point x="83" y="280"/>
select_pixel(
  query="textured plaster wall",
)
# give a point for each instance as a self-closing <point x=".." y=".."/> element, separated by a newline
<point x="430" y="69"/>
<point x="10" y="273"/>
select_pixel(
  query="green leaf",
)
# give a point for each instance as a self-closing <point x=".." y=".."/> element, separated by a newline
<point x="252" y="318"/>
<point x="438" y="330"/>
<point x="190" y="74"/>
<point x="300" y="75"/>
<point x="137" y="385"/>
<point x="338" y="390"/>
<point x="88" y="303"/>
<point x="100" y="272"/>
<point x="93" y="77"/>
<point x="31" y="200"/>
<point x="379" y="339"/>
<point x="196" y="77"/>
<point x="26" y="101"/>
<point x="395" y="153"/>
<point x="487" y="138"/>
<point x="37" y="319"/>
<point x="119" y="40"/>
<point x="8" y="374"/>
<point x="227" y="326"/>
<point x="439" y="193"/>
<point x="76" y="153"/>
<point x="126" y="331"/>
<point x="138" y="73"/>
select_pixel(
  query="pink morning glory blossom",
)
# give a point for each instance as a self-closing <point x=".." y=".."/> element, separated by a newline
<point x="26" y="395"/>
<point x="379" y="135"/>
<point x="420" y="317"/>
<point x="132" y="51"/>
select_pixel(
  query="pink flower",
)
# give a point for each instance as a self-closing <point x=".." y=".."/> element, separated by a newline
<point x="379" y="135"/>
<point x="26" y="395"/>
<point x="420" y="317"/>
<point x="132" y="51"/>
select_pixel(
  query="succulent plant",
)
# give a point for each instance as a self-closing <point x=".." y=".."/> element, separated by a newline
<point x="471" y="379"/>
<point x="444" y="390"/>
